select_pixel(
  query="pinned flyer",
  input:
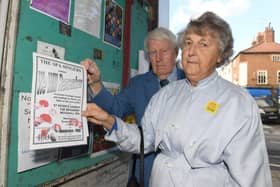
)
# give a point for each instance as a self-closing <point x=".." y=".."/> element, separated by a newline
<point x="59" y="94"/>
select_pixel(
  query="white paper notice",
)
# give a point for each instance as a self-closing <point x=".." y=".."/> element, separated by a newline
<point x="143" y="64"/>
<point x="59" y="90"/>
<point x="28" y="159"/>
<point x="87" y="16"/>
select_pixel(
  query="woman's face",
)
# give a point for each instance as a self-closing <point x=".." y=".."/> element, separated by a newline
<point x="200" y="54"/>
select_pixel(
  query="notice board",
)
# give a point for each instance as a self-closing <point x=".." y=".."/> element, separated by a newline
<point x="73" y="44"/>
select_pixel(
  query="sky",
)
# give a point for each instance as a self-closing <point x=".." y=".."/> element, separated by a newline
<point x="246" y="17"/>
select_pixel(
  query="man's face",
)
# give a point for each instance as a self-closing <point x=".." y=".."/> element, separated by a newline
<point x="200" y="56"/>
<point x="162" y="57"/>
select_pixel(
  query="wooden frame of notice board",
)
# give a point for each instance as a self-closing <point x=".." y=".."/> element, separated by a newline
<point x="70" y="162"/>
<point x="8" y="21"/>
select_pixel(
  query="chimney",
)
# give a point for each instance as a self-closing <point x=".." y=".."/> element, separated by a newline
<point x="269" y="34"/>
<point x="259" y="39"/>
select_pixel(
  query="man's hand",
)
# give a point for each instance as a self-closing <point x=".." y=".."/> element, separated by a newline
<point x="98" y="116"/>
<point x="92" y="71"/>
<point x="93" y="75"/>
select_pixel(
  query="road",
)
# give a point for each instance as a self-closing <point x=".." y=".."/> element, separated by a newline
<point x="272" y="136"/>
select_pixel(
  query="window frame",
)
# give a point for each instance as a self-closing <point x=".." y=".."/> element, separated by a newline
<point x="262" y="77"/>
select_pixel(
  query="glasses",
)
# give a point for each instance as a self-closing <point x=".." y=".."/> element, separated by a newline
<point x="161" y="52"/>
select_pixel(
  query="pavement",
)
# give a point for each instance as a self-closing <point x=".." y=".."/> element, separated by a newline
<point x="275" y="177"/>
<point x="273" y="130"/>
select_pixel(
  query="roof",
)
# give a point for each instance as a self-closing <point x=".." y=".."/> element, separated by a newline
<point x="265" y="47"/>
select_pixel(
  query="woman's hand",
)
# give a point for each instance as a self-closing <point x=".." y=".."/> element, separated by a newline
<point x="98" y="116"/>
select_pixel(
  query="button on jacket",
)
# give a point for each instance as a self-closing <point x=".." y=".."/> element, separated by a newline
<point x="209" y="135"/>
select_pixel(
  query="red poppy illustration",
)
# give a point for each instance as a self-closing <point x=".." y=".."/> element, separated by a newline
<point x="44" y="103"/>
<point x="36" y="123"/>
<point x="46" y="118"/>
<point x="57" y="127"/>
<point x="44" y="133"/>
<point x="74" y="122"/>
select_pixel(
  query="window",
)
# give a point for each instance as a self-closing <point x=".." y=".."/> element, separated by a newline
<point x="278" y="77"/>
<point x="262" y="77"/>
<point x="276" y="58"/>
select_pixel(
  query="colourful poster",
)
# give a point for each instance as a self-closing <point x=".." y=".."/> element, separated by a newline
<point x="113" y="24"/>
<point x="59" y="10"/>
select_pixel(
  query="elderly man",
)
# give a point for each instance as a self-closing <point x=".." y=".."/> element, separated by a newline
<point x="161" y="49"/>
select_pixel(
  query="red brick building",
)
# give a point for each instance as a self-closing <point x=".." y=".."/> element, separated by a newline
<point x="259" y="65"/>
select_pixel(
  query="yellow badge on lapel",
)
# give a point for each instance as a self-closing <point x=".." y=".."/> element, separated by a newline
<point x="212" y="107"/>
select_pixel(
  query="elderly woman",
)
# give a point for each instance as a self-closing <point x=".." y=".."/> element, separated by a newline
<point x="207" y="130"/>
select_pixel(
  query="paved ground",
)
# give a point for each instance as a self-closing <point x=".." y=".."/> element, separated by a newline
<point x="272" y="133"/>
<point x="275" y="178"/>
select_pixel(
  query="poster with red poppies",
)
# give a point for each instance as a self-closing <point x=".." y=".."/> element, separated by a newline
<point x="59" y="90"/>
<point x="29" y="159"/>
